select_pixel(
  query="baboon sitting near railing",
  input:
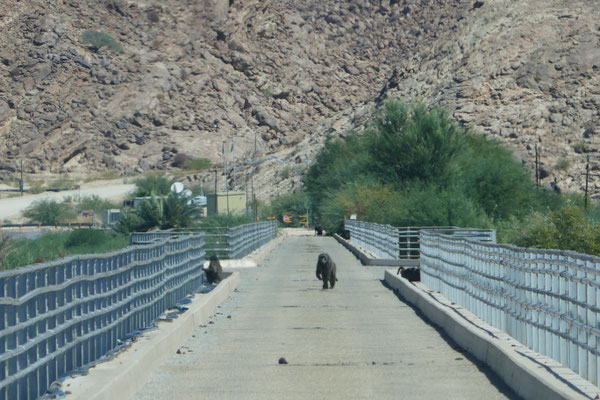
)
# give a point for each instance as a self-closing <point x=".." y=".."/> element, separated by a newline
<point x="214" y="272"/>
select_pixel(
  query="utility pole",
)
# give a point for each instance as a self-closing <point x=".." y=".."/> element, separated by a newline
<point x="587" y="178"/>
<point x="537" y="166"/>
<point x="21" y="180"/>
<point x="252" y="178"/>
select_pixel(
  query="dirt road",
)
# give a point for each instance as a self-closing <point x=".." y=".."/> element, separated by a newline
<point x="10" y="208"/>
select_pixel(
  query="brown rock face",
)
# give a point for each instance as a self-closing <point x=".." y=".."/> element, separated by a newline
<point x="200" y="77"/>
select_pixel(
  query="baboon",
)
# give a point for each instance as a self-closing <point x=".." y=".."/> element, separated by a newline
<point x="410" y="274"/>
<point x="346" y="234"/>
<point x="318" y="231"/>
<point x="214" y="272"/>
<point x="326" y="270"/>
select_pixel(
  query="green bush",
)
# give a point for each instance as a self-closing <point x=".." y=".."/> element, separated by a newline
<point x="563" y="164"/>
<point x="293" y="205"/>
<point x="48" y="212"/>
<point x="97" y="40"/>
<point x="54" y="245"/>
<point x="412" y="143"/>
<point x="169" y="212"/>
<point x="567" y="228"/>
<point x="196" y="164"/>
<point x="152" y="185"/>
<point x="415" y="166"/>
<point x="96" y="203"/>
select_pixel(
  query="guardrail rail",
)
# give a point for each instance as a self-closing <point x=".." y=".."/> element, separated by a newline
<point x="402" y="243"/>
<point x="227" y="243"/>
<point x="549" y="300"/>
<point x="56" y="317"/>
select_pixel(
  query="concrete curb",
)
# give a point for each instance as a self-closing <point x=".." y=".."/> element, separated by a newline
<point x="509" y="359"/>
<point x="122" y="376"/>
<point x="381" y="262"/>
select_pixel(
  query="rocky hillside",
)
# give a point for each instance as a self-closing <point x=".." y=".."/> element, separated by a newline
<point x="115" y="85"/>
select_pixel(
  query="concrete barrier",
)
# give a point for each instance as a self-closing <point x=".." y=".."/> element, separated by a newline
<point x="122" y="376"/>
<point x="530" y="374"/>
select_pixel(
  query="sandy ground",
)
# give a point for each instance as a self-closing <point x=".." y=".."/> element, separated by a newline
<point x="10" y="208"/>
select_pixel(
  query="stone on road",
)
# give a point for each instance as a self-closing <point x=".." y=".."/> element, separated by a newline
<point x="356" y="341"/>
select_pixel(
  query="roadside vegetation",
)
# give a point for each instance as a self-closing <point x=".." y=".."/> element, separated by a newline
<point x="415" y="166"/>
<point x="53" y="245"/>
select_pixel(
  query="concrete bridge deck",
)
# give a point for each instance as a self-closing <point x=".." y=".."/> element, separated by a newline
<point x="356" y="341"/>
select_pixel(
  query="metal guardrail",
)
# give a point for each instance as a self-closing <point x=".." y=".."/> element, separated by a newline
<point x="549" y="300"/>
<point x="244" y="239"/>
<point x="402" y="243"/>
<point x="56" y="317"/>
<point x="227" y="243"/>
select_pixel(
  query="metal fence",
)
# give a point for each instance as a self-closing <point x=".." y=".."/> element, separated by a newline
<point x="402" y="243"/>
<point x="227" y="243"/>
<point x="548" y="300"/>
<point x="59" y="316"/>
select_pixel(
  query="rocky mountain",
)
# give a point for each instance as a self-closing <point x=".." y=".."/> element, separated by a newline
<point x="117" y="85"/>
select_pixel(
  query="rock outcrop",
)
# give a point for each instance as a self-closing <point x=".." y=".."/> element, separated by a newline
<point x="125" y="85"/>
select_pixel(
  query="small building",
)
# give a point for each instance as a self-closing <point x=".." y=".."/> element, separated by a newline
<point x="110" y="217"/>
<point x="226" y="203"/>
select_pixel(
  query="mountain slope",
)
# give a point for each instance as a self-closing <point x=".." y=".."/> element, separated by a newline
<point x="200" y="77"/>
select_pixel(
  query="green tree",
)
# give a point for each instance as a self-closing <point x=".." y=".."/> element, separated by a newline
<point x="48" y="212"/>
<point x="292" y="204"/>
<point x="412" y="143"/>
<point x="152" y="185"/>
<point x="177" y="213"/>
<point x="172" y="211"/>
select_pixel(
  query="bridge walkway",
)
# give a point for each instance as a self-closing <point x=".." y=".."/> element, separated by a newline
<point x="357" y="341"/>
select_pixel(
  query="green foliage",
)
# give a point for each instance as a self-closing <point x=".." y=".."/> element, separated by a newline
<point x="567" y="228"/>
<point x="96" y="203"/>
<point x="177" y="213"/>
<point x="62" y="184"/>
<point x="579" y="147"/>
<point x="412" y="143"/>
<point x="54" y="245"/>
<point x="152" y="185"/>
<point x="48" y="212"/>
<point x="97" y="40"/>
<point x="563" y="164"/>
<point x="293" y="204"/>
<point x="337" y="164"/>
<point x="196" y="164"/>
<point x="128" y="222"/>
<point x="414" y="166"/>
<point x="285" y="172"/>
<point x="493" y="179"/>
<point x="172" y="211"/>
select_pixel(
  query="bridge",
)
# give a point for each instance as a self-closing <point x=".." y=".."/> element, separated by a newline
<point x="271" y="331"/>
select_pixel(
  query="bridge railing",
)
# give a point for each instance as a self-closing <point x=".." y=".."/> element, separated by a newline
<point x="402" y="243"/>
<point x="56" y="317"/>
<point x="548" y="300"/>
<point x="227" y="243"/>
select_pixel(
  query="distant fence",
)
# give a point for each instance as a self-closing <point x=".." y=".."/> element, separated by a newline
<point x="548" y="300"/>
<point x="226" y="243"/>
<point x="402" y="243"/>
<point x="59" y="316"/>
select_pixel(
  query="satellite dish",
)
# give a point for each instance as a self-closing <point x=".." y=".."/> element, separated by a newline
<point x="187" y="193"/>
<point x="177" y="187"/>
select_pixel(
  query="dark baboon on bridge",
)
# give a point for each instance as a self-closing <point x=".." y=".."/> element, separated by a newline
<point x="214" y="272"/>
<point x="326" y="270"/>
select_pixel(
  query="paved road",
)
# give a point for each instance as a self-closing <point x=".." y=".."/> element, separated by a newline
<point x="10" y="208"/>
<point x="357" y="341"/>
